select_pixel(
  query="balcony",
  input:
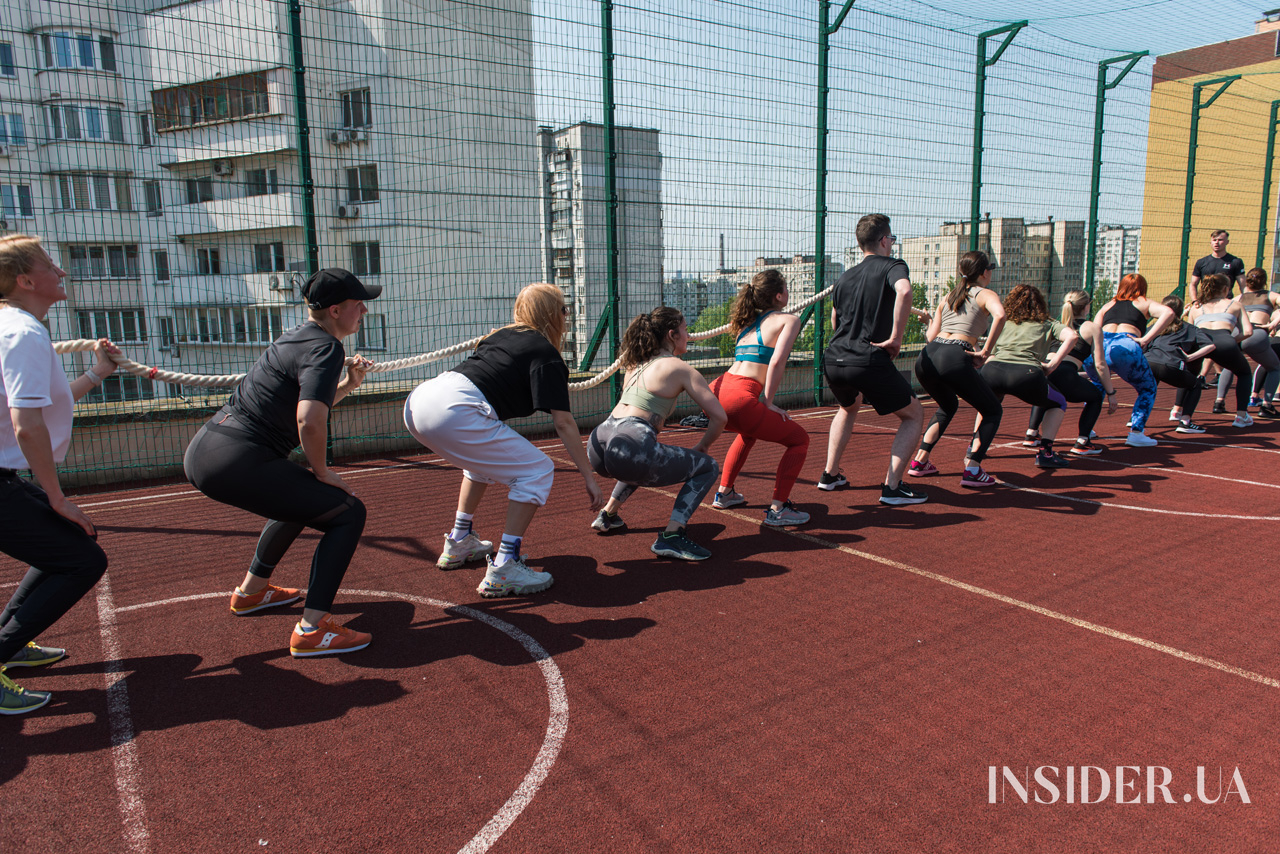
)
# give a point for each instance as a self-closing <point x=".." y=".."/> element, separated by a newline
<point x="248" y="213"/>
<point x="235" y="289"/>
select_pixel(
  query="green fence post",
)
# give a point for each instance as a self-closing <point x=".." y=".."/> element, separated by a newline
<point x="1222" y="83"/>
<point x="1266" y="182"/>
<point x="820" y="191"/>
<point x="979" y="112"/>
<point x="610" y="184"/>
<point x="1101" y="98"/>
<point x="304" y="136"/>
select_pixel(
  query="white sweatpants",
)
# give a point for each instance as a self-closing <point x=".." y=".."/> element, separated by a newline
<point x="450" y="415"/>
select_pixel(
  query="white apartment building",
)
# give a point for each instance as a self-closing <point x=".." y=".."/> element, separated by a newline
<point x="800" y="271"/>
<point x="575" y="227"/>
<point x="1118" y="250"/>
<point x="154" y="147"/>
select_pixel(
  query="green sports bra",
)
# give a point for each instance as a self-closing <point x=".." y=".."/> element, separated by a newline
<point x="635" y="394"/>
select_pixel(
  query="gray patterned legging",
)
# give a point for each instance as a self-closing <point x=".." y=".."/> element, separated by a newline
<point x="628" y="449"/>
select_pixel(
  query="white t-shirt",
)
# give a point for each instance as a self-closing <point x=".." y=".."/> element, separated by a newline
<point x="31" y="377"/>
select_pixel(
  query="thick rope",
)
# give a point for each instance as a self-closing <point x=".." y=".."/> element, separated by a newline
<point x="81" y="345"/>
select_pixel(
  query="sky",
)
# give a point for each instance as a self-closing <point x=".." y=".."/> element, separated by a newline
<point x="732" y="87"/>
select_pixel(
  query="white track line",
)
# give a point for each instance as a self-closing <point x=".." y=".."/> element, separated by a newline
<point x="124" y="750"/>
<point x="557" y="699"/>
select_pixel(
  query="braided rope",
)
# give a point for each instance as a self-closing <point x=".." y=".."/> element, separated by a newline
<point x="81" y="345"/>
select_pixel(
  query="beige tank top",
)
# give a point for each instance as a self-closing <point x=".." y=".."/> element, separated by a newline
<point x="970" y="321"/>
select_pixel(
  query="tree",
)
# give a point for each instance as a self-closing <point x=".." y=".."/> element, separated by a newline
<point x="712" y="317"/>
<point x="916" y="327"/>
<point x="1103" y="291"/>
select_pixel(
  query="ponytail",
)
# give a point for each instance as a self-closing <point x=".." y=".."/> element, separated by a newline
<point x="971" y="267"/>
<point x="756" y="297"/>
<point x="647" y="335"/>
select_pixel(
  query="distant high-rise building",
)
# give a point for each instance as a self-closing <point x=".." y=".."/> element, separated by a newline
<point x="1118" y="250"/>
<point x="574" y="226"/>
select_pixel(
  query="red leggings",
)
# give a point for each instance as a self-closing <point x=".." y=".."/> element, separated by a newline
<point x="752" y="420"/>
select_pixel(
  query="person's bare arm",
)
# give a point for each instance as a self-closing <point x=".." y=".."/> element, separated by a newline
<point x="571" y="438"/>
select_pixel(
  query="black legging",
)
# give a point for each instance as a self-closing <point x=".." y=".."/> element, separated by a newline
<point x="628" y="449"/>
<point x="1227" y="354"/>
<point x="946" y="372"/>
<point x="1185" y="379"/>
<point x="1076" y="389"/>
<point x="1025" y="382"/>
<point x="230" y="468"/>
<point x="64" y="561"/>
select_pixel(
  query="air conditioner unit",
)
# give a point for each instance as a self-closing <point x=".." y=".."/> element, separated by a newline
<point x="5" y="149"/>
<point x="359" y="134"/>
<point x="348" y="211"/>
<point x="340" y="137"/>
<point x="223" y="167"/>
<point x="295" y="281"/>
<point x="274" y="283"/>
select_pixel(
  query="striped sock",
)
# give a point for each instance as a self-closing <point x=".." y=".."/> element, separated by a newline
<point x="461" y="527"/>
<point x="508" y="550"/>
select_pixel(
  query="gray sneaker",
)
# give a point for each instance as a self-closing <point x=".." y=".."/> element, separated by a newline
<point x="725" y="500"/>
<point x="16" y="700"/>
<point x="606" y="524"/>
<point x="679" y="547"/>
<point x="785" y="516"/>
<point x="513" y="578"/>
<point x="34" y="655"/>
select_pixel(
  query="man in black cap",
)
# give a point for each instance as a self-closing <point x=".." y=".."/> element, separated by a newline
<point x="241" y="458"/>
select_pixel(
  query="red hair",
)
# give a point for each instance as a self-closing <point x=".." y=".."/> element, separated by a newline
<point x="1131" y="287"/>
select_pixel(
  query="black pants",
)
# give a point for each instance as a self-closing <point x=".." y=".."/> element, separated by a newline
<point x="946" y="372"/>
<point x="1076" y="389"/>
<point x="1025" y="382"/>
<point x="1186" y="379"/>
<point x="1227" y="353"/>
<point x="231" y="469"/>
<point x="65" y="563"/>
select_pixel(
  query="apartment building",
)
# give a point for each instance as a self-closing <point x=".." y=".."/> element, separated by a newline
<point x="1118" y="250"/>
<point x="155" y="148"/>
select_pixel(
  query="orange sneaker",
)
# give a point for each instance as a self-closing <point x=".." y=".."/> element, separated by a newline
<point x="268" y="597"/>
<point x="328" y="638"/>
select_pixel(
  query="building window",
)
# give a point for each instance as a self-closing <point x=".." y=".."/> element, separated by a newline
<point x="356" y="109"/>
<point x="152" y="191"/>
<point x="123" y="326"/>
<point x="362" y="183"/>
<point x="220" y="100"/>
<point x="199" y="190"/>
<point x="78" y="50"/>
<point x="260" y="182"/>
<point x="107" y="52"/>
<point x="117" y="388"/>
<point x="160" y="257"/>
<point x="13" y="129"/>
<point x="227" y="325"/>
<point x="7" y="68"/>
<point x="372" y="334"/>
<point x="208" y="262"/>
<point x="124" y="196"/>
<point x="71" y="121"/>
<point x="15" y="201"/>
<point x="80" y="191"/>
<point x="167" y="337"/>
<point x="366" y="259"/>
<point x="268" y="258"/>
<point x="144" y="129"/>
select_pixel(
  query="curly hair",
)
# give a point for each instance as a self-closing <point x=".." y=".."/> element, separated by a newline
<point x="1025" y="304"/>
<point x="1214" y="286"/>
<point x="647" y="334"/>
<point x="754" y="299"/>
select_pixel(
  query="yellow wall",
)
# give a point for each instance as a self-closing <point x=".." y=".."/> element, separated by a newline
<point x="1229" y="171"/>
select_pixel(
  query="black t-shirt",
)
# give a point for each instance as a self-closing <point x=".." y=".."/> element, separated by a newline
<point x="1171" y="349"/>
<point x="519" y="372"/>
<point x="1229" y="265"/>
<point x="863" y="300"/>
<point x="304" y="363"/>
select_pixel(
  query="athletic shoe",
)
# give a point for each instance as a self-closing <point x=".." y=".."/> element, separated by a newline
<point x="456" y="553"/>
<point x="1139" y="440"/>
<point x="1032" y="440"/>
<point x="1268" y="412"/>
<point x="270" y="596"/>
<point x="16" y="700"/>
<point x="785" y="516"/>
<point x="1051" y="460"/>
<point x="1243" y="421"/>
<point x="901" y="494"/>
<point x="1205" y="385"/>
<point x="977" y="479"/>
<point x="1085" y="448"/>
<point x="606" y="524"/>
<point x="1255" y="402"/>
<point x="513" y="578"/>
<point x="832" y="482"/>
<point x="33" y="655"/>
<point x="1173" y="417"/>
<point x="725" y="500"/>
<point x="327" y="638"/>
<point x="1189" y="427"/>
<point x="1219" y="407"/>
<point x="678" y="546"/>
<point x="916" y="469"/>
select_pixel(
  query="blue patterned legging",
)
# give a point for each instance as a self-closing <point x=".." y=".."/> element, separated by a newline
<point x="1126" y="359"/>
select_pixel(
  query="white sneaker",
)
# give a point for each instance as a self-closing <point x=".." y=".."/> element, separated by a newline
<point x="725" y="500"/>
<point x="1173" y="417"/>
<point x="1243" y="421"/>
<point x="1139" y="440"/>
<point x="455" y="554"/>
<point x="513" y="578"/>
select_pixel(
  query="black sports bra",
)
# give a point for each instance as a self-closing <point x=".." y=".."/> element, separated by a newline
<point x="1127" y="313"/>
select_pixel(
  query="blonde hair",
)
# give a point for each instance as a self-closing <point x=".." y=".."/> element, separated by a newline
<point x="540" y="307"/>
<point x="1073" y="301"/>
<point x="19" y="254"/>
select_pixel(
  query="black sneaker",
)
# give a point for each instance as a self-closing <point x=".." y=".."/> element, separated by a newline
<point x="1268" y="411"/>
<point x="901" y="494"/>
<point x="1051" y="460"/>
<point x="606" y="524"/>
<point x="832" y="482"/>
<point x="678" y="546"/>
<point x="1219" y="407"/>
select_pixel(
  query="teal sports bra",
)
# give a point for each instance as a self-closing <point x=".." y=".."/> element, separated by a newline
<point x="635" y="394"/>
<point x="757" y="352"/>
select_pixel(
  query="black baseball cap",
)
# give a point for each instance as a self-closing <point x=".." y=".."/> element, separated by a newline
<point x="333" y="285"/>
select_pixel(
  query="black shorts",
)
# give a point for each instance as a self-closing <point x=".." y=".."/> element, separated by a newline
<point x="882" y="386"/>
